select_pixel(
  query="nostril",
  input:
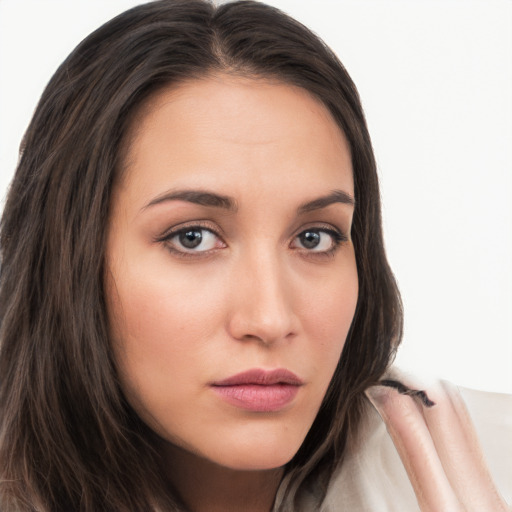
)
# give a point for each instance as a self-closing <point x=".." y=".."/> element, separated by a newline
<point x="247" y="327"/>
<point x="262" y="304"/>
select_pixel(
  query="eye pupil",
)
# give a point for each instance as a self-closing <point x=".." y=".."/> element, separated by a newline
<point x="310" y="239"/>
<point x="191" y="239"/>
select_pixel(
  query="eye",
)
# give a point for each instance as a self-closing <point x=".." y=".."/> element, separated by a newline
<point x="193" y="239"/>
<point x="318" y="240"/>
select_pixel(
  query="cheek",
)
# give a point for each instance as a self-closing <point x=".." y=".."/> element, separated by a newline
<point x="329" y="310"/>
<point x="155" y="301"/>
<point x="158" y="330"/>
<point x="327" y="313"/>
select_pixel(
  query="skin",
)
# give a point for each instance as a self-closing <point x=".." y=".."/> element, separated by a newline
<point x="439" y="449"/>
<point x="252" y="295"/>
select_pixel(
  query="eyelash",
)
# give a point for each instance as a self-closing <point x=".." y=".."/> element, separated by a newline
<point x="337" y="238"/>
<point x="183" y="253"/>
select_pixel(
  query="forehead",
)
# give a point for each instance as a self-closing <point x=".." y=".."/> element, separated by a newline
<point x="234" y="126"/>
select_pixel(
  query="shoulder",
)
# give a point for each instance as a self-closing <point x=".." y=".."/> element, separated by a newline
<point x="372" y="476"/>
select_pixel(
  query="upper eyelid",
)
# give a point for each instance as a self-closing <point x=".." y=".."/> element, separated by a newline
<point x="217" y="231"/>
<point x="176" y="230"/>
<point x="173" y="232"/>
<point x="336" y="235"/>
<point x="322" y="226"/>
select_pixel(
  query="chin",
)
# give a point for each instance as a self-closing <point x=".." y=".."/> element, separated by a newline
<point x="255" y="454"/>
<point x="255" y="461"/>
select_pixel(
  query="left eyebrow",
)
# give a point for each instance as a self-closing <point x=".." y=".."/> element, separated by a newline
<point x="336" y="196"/>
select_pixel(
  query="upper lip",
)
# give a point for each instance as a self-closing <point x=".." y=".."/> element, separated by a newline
<point x="261" y="377"/>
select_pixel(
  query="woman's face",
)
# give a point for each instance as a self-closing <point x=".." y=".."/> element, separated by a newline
<point x="228" y="252"/>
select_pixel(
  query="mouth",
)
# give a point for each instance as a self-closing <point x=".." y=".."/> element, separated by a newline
<point x="259" y="390"/>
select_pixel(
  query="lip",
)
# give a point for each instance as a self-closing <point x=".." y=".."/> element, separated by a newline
<point x="259" y="390"/>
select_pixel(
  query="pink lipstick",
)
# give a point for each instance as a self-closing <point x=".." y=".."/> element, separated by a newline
<point x="259" y="390"/>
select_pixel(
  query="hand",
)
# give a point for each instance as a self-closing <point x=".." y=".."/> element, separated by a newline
<point x="439" y="449"/>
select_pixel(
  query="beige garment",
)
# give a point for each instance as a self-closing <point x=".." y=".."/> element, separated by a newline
<point x="373" y="479"/>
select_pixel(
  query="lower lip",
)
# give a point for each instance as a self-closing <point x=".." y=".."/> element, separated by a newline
<point x="258" y="398"/>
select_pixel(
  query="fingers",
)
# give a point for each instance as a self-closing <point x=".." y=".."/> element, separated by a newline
<point x="439" y="449"/>
<point x="457" y="446"/>
<point x="410" y="434"/>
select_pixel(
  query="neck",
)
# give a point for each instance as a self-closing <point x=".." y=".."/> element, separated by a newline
<point x="204" y="486"/>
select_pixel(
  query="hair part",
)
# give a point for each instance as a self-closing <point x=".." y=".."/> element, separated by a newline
<point x="68" y="438"/>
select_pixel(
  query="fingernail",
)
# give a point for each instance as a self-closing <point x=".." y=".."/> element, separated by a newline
<point x="378" y="395"/>
<point x="449" y="387"/>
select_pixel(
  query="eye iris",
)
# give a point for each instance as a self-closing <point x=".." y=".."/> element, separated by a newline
<point x="190" y="239"/>
<point x="310" y="239"/>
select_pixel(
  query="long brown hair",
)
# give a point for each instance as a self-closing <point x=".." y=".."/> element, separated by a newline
<point x="68" y="439"/>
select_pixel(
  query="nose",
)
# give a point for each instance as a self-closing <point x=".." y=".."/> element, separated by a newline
<point x="262" y="301"/>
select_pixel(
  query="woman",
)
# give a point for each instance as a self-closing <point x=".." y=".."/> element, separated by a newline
<point x="194" y="292"/>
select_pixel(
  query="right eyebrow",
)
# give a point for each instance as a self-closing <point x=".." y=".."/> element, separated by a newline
<point x="199" y="197"/>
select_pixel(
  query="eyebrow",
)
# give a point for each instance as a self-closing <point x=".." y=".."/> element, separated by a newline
<point x="215" y="200"/>
<point x="199" y="197"/>
<point x="336" y="196"/>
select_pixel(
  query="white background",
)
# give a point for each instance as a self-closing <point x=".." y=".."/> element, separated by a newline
<point x="435" y="78"/>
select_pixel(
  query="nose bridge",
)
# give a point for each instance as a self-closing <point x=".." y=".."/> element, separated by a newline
<point x="263" y="306"/>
